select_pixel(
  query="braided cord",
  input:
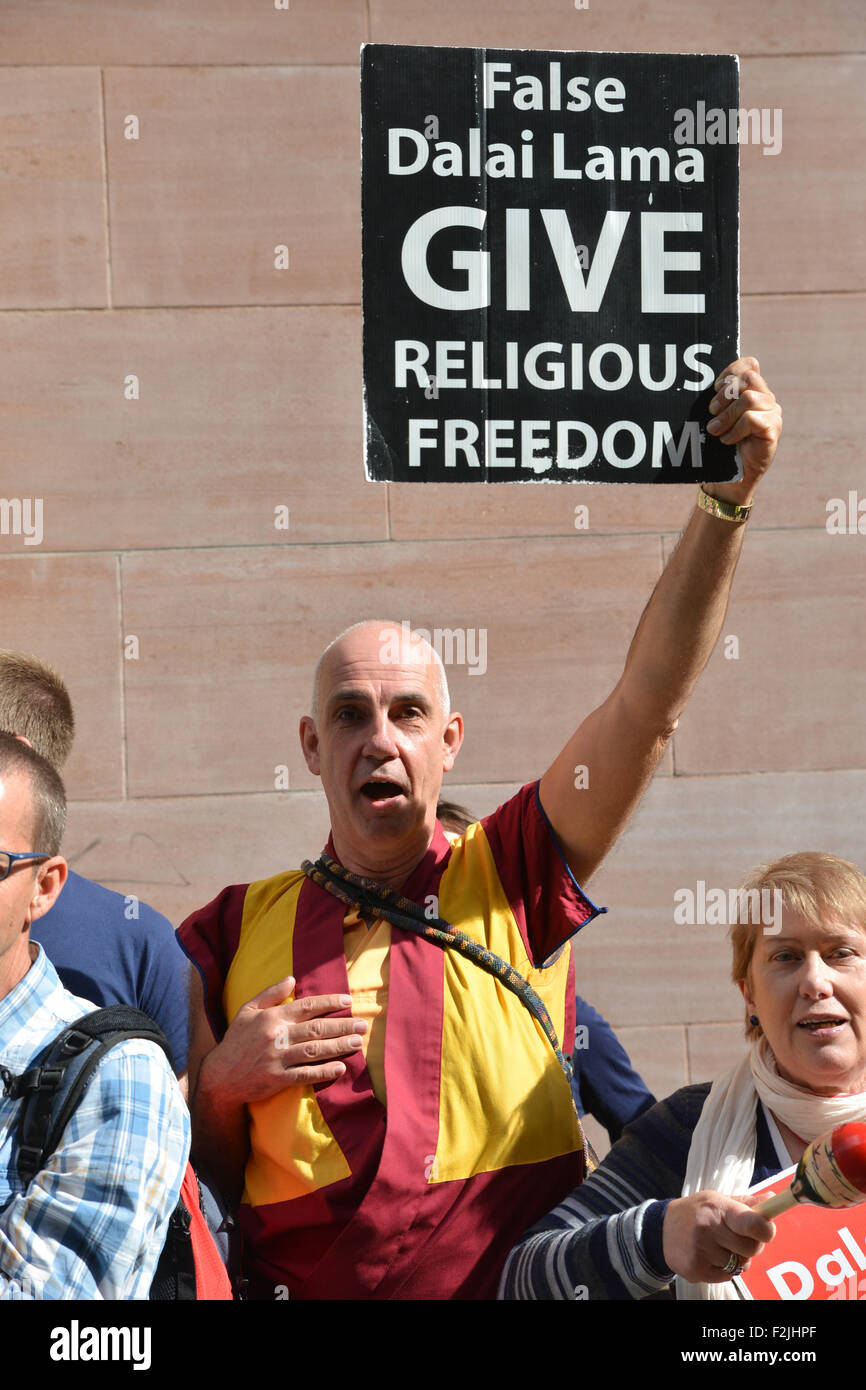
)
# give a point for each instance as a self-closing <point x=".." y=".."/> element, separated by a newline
<point x="362" y="893"/>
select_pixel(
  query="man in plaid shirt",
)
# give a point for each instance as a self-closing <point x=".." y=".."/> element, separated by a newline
<point x="93" y="1222"/>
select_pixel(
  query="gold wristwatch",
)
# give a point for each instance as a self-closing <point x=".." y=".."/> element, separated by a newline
<point x="728" y="511"/>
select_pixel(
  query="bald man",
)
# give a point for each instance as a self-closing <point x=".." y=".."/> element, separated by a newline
<point x="349" y="1077"/>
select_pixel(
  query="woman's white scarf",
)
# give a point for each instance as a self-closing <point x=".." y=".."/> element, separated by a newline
<point x="722" y="1153"/>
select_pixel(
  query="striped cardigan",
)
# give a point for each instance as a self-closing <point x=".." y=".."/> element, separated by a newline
<point x="605" y="1239"/>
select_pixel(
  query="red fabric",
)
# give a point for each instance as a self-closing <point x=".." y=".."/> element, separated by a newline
<point x="549" y="905"/>
<point x="386" y="1232"/>
<point x="210" y="938"/>
<point x="211" y="1278"/>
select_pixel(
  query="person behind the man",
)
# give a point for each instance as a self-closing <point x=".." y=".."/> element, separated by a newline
<point x="105" y="947"/>
<point x="605" y="1083"/>
<point x="402" y="1162"/>
<point x="91" y="1224"/>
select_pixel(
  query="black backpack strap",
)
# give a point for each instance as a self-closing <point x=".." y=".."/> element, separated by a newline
<point x="51" y="1089"/>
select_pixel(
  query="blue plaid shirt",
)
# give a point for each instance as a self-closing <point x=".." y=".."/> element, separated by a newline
<point x="92" y="1223"/>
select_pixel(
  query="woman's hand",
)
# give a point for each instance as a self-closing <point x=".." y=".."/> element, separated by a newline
<point x="702" y="1232"/>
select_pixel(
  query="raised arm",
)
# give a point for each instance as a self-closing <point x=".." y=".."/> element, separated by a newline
<point x="621" y="742"/>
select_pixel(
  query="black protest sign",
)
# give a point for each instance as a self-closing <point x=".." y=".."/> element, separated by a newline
<point x="550" y="253"/>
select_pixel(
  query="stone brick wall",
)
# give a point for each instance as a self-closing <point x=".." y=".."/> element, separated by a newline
<point x="154" y="258"/>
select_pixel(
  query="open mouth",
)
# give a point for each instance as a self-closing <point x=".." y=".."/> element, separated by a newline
<point x="822" y="1025"/>
<point x="377" y="791"/>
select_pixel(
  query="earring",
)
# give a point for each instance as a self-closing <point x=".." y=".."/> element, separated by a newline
<point x="753" y="1019"/>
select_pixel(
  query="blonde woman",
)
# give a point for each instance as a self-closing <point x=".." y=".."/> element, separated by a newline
<point x="664" y="1213"/>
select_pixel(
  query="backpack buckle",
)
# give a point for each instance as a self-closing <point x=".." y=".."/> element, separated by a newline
<point x="43" y="1078"/>
<point x="74" y="1042"/>
<point x="29" y="1159"/>
<point x="29" y="1082"/>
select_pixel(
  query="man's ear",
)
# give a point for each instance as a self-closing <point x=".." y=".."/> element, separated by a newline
<point x="452" y="738"/>
<point x="49" y="880"/>
<point x="310" y="745"/>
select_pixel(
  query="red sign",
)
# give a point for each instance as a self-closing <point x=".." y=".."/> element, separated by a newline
<point x="818" y="1253"/>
